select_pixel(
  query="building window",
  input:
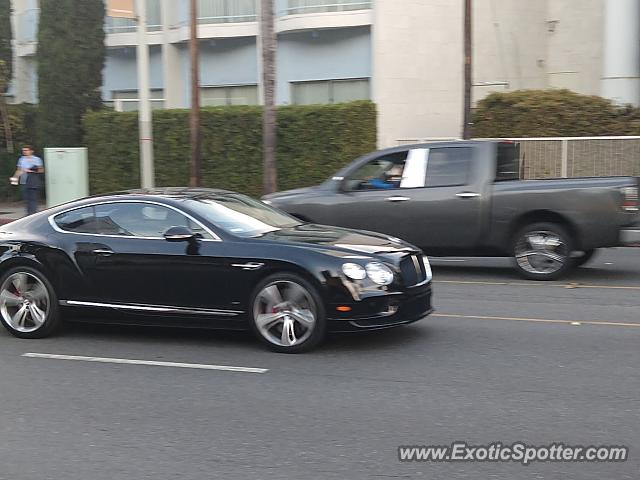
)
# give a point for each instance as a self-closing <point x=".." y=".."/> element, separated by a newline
<point x="229" y="95"/>
<point x="226" y="11"/>
<point x="126" y="25"/>
<point x="127" y="100"/>
<point x="295" y="7"/>
<point x="330" y="91"/>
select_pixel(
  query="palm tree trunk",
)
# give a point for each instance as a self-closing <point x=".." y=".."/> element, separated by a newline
<point x="194" y="118"/>
<point x="267" y="32"/>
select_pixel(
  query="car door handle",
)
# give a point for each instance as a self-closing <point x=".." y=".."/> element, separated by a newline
<point x="398" y="199"/>
<point x="248" y="266"/>
<point x="468" y="195"/>
<point x="103" y="252"/>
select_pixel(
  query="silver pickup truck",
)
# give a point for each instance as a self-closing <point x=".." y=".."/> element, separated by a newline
<point x="466" y="198"/>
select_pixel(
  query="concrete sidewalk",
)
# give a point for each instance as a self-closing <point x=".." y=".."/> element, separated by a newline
<point x="13" y="211"/>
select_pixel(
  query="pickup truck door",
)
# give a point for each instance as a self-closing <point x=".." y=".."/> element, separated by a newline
<point x="450" y="204"/>
<point x="435" y="206"/>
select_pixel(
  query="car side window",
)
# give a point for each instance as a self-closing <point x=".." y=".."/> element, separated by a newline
<point x="137" y="219"/>
<point x="80" y="220"/>
<point x="382" y="173"/>
<point x="449" y="166"/>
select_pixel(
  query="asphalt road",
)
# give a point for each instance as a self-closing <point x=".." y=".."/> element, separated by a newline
<point x="502" y="360"/>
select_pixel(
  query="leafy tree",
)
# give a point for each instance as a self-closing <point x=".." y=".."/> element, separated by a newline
<point x="6" y="67"/>
<point x="71" y="55"/>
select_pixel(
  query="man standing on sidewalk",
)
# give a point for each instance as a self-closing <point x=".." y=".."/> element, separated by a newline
<point x="28" y="172"/>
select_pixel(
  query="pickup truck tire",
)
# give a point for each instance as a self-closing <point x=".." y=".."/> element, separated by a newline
<point x="588" y="255"/>
<point x="542" y="251"/>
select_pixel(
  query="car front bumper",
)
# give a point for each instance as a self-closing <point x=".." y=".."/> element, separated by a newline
<point x="384" y="312"/>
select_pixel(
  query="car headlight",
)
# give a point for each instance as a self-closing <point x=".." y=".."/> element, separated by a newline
<point x="354" y="271"/>
<point x="379" y="273"/>
<point x="427" y="268"/>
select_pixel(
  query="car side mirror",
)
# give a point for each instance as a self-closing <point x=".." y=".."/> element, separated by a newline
<point x="179" y="234"/>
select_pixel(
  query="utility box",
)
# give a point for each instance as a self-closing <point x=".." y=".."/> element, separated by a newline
<point x="66" y="174"/>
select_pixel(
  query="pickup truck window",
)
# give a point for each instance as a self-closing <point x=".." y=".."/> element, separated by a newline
<point x="448" y="167"/>
<point x="508" y="161"/>
<point x="382" y="173"/>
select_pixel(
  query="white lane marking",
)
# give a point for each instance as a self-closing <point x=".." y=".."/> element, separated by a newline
<point x="127" y="361"/>
<point x="538" y="320"/>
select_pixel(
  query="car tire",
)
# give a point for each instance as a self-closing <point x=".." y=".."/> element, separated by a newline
<point x="588" y="255"/>
<point x="542" y="251"/>
<point x="28" y="303"/>
<point x="287" y="314"/>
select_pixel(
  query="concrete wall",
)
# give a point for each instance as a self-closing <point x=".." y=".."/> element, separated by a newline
<point x="418" y="55"/>
<point x="510" y="45"/>
<point x="417" y="68"/>
<point x="575" y="40"/>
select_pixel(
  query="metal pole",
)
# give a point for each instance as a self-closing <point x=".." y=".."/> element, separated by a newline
<point x="147" y="174"/>
<point x="468" y="52"/>
<point x="196" y="160"/>
<point x="564" y="168"/>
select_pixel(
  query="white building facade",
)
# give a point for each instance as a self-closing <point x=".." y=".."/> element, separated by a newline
<point x="405" y="55"/>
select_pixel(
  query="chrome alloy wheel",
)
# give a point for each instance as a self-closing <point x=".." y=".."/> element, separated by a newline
<point x="541" y="252"/>
<point x="24" y="302"/>
<point x="285" y="313"/>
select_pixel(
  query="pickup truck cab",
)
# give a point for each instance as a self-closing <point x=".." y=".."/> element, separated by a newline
<point x="466" y="198"/>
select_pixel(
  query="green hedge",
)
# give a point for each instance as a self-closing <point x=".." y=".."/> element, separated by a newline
<point x="552" y="113"/>
<point x="313" y="142"/>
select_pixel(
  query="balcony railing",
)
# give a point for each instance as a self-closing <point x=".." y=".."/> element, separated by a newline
<point x="126" y="25"/>
<point x="296" y="7"/>
<point x="226" y="11"/>
<point x="132" y="104"/>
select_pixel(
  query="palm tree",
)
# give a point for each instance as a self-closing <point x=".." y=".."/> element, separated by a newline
<point x="268" y="37"/>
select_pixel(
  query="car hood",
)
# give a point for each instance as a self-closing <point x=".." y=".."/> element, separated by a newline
<point x="340" y="239"/>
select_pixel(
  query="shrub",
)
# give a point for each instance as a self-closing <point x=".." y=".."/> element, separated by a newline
<point x="551" y="113"/>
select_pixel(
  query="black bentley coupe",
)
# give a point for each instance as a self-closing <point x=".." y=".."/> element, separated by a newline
<point x="204" y="258"/>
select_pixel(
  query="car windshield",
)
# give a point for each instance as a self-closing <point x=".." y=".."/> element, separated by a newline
<point x="241" y="215"/>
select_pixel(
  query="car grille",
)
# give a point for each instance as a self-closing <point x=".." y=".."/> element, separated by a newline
<point x="412" y="270"/>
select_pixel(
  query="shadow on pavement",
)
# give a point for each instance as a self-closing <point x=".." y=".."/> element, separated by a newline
<point x="335" y="342"/>
<point x="462" y="272"/>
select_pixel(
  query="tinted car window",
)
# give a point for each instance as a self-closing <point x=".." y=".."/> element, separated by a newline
<point x="240" y="215"/>
<point x="448" y="166"/>
<point x="141" y="220"/>
<point x="381" y="173"/>
<point x="81" y="220"/>
<point x="508" y="164"/>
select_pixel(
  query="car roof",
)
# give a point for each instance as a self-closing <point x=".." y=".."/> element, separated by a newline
<point x="167" y="195"/>
<point x="155" y="194"/>
<point x="435" y="144"/>
<point x="172" y="192"/>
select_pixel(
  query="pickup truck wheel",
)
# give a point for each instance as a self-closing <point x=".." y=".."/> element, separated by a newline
<point x="587" y="256"/>
<point x="542" y="251"/>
